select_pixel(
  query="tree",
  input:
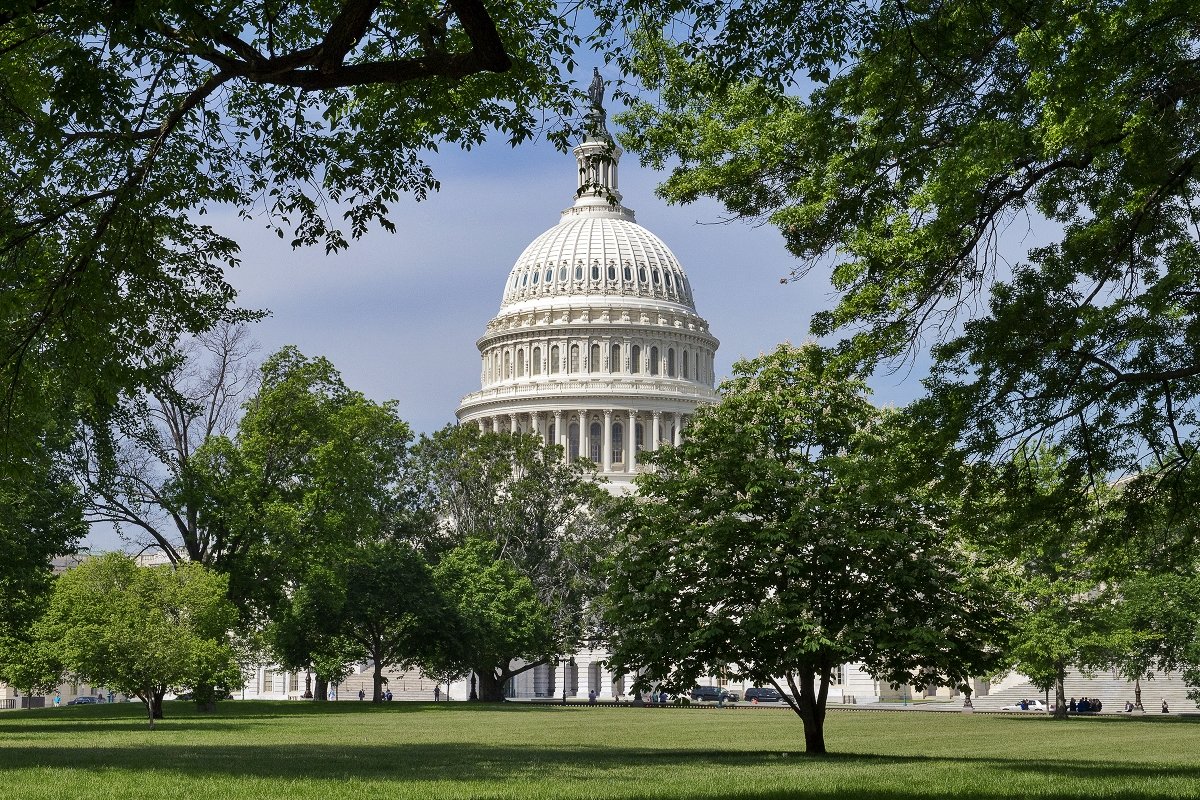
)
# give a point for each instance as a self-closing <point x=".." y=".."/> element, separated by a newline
<point x="542" y="519"/>
<point x="41" y="517"/>
<point x="498" y="615"/>
<point x="126" y="123"/>
<point x="899" y="143"/>
<point x="315" y="480"/>
<point x="782" y="539"/>
<point x="138" y="473"/>
<point x="142" y="631"/>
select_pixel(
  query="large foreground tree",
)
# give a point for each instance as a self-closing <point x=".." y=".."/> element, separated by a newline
<point x="790" y="534"/>
<point x="919" y="149"/>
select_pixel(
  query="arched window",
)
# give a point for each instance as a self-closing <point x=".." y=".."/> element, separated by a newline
<point x="562" y="274"/>
<point x="594" y="359"/>
<point x="628" y="273"/>
<point x="549" y="274"/>
<point x="670" y="362"/>
<point x="508" y="365"/>
<point x="520" y="363"/>
<point x="537" y="361"/>
<point x="595" y="438"/>
<point x="654" y="275"/>
<point x="667" y="278"/>
<point x="579" y="272"/>
<point x="614" y="360"/>
<point x="635" y="357"/>
<point x="537" y="274"/>
<point x="612" y="272"/>
<point x="595" y="272"/>
<point x="685" y="363"/>
<point x="554" y="360"/>
<point x="653" y="360"/>
<point x="618" y="443"/>
<point x="573" y="440"/>
<point x="574" y="359"/>
<point x="639" y="441"/>
<point x="641" y="274"/>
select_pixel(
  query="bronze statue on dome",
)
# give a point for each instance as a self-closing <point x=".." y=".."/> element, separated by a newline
<point x="596" y="117"/>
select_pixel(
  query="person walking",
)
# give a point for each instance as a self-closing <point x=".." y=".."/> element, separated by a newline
<point x="362" y="694"/>
<point x="437" y="693"/>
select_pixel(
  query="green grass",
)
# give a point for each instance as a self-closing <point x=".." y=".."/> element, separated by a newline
<point x="459" y="750"/>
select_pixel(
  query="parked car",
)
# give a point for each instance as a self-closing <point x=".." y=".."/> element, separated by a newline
<point x="1029" y="705"/>
<point x="84" y="701"/>
<point x="713" y="694"/>
<point x="763" y="694"/>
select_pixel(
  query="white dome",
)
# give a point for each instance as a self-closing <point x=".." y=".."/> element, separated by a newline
<point x="590" y="255"/>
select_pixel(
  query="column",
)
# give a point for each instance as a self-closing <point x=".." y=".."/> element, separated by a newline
<point x="479" y="424"/>
<point x="631" y="443"/>
<point x="657" y="431"/>
<point x="535" y="419"/>
<point x="606" y="682"/>
<point x="606" y="443"/>
<point x="678" y="429"/>
<point x="558" y="432"/>
<point x="583" y="434"/>
<point x="513" y="427"/>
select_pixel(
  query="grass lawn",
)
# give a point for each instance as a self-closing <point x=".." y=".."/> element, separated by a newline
<point x="458" y="750"/>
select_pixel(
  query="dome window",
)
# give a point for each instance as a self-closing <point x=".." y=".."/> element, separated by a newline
<point x="579" y="272"/>
<point x="612" y="272"/>
<point x="685" y="363"/>
<point x="667" y="279"/>
<point x="656" y="278"/>
<point x="554" y="360"/>
<point x="594" y="359"/>
<point x="628" y="274"/>
<point x="550" y="275"/>
<point x="595" y="437"/>
<point x="653" y="360"/>
<point x="537" y="361"/>
<point x="595" y="272"/>
<point x="521" y="361"/>
<point x="671" y="362"/>
<point x="574" y="366"/>
<point x="536" y="276"/>
<point x="525" y="279"/>
<point x="614" y="361"/>
<point x="618" y="443"/>
<point x="635" y="356"/>
<point x="641" y="274"/>
<point x="562" y="274"/>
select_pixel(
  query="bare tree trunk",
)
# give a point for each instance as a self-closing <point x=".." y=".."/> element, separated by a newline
<point x="158" y="704"/>
<point x="491" y="688"/>
<point x="809" y="702"/>
<point x="321" y="692"/>
<point x="377" y="678"/>
<point x="1060" y="694"/>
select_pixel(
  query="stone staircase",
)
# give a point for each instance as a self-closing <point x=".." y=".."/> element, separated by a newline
<point x="410" y="685"/>
<point x="1112" y="691"/>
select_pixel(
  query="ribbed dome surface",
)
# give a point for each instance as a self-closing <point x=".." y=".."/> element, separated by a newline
<point x="597" y="254"/>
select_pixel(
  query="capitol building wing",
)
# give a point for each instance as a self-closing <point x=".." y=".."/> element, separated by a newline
<point x="597" y="346"/>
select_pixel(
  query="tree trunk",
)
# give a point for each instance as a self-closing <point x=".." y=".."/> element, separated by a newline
<point x="157" y="708"/>
<point x="810" y="705"/>
<point x="377" y="678"/>
<point x="148" y="699"/>
<point x="491" y="688"/>
<point x="321" y="693"/>
<point x="1060" y="694"/>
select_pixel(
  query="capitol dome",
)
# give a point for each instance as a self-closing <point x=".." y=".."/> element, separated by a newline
<point x="597" y="345"/>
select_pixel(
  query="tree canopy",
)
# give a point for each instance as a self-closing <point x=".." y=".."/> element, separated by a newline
<point x="913" y="147"/>
<point x="515" y="525"/>
<point x="142" y="631"/>
<point x="786" y="537"/>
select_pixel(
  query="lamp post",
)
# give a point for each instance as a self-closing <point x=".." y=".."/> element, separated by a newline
<point x="569" y="663"/>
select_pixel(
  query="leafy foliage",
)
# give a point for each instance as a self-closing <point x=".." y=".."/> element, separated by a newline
<point x="141" y="631"/>
<point x="782" y="540"/>
<point x="900" y="143"/>
<point x="515" y="525"/>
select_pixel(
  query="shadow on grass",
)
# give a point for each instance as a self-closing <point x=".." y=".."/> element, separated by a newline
<point x="455" y="762"/>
